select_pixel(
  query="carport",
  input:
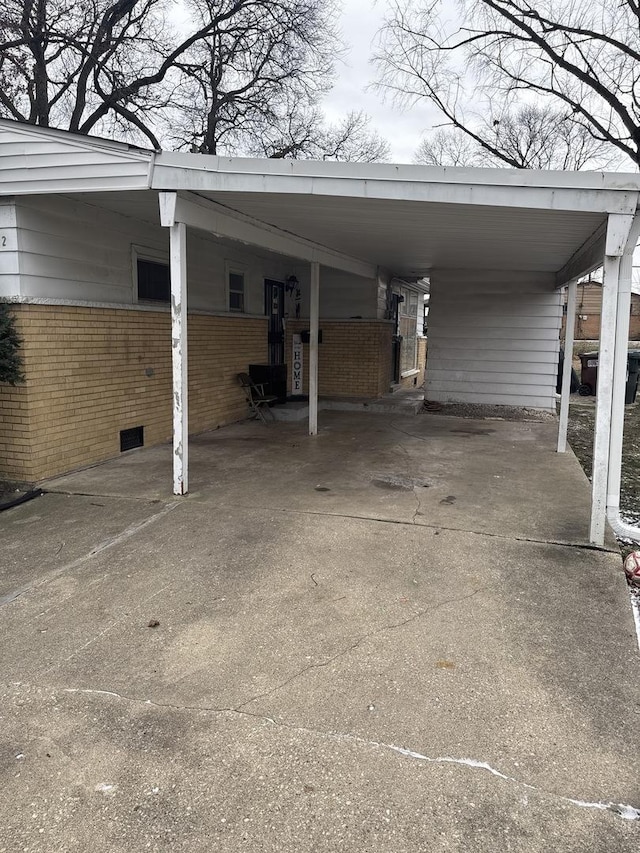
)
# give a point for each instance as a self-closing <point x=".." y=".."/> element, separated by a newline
<point x="485" y="237"/>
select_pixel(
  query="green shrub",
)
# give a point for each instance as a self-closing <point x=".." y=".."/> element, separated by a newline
<point x="10" y="359"/>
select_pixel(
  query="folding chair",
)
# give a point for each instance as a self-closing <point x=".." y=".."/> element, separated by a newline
<point x="256" y="398"/>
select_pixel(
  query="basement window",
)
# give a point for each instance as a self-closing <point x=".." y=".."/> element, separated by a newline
<point x="131" y="438"/>
<point x="154" y="284"/>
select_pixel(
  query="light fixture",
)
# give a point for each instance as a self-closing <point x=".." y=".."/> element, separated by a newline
<point x="291" y="284"/>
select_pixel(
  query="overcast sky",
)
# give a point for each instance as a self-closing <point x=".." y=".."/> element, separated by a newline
<point x="403" y="129"/>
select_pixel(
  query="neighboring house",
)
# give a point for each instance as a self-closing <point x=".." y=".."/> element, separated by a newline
<point x="589" y="310"/>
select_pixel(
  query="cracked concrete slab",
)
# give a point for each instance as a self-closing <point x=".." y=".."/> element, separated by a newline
<point x="130" y="777"/>
<point x="219" y="676"/>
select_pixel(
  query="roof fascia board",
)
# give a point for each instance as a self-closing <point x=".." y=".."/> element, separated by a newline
<point x="403" y="172"/>
<point x="609" y="239"/>
<point x="586" y="259"/>
<point x="577" y="199"/>
<point x="216" y="219"/>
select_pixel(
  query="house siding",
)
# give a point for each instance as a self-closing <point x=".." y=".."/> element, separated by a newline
<point x="31" y="156"/>
<point x="76" y="251"/>
<point x="91" y="372"/>
<point x="493" y="343"/>
<point x="9" y="258"/>
<point x="589" y="309"/>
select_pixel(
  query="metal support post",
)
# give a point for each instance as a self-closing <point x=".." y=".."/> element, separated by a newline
<point x="604" y="396"/>
<point x="568" y="363"/>
<point x="314" y="322"/>
<point x="178" y="255"/>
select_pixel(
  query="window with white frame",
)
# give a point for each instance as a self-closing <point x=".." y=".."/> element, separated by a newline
<point x="236" y="288"/>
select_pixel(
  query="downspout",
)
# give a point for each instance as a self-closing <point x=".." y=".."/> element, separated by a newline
<point x="620" y="527"/>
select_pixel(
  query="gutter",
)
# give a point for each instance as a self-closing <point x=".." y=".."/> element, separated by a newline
<point x="620" y="527"/>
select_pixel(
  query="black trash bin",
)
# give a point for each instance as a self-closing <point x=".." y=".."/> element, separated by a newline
<point x="589" y="374"/>
<point x="633" y="373"/>
<point x="574" y="384"/>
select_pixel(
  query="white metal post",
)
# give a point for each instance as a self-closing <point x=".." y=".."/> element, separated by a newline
<point x="314" y="323"/>
<point x="619" y="385"/>
<point x="569" y="331"/>
<point x="178" y="254"/>
<point x="603" y="399"/>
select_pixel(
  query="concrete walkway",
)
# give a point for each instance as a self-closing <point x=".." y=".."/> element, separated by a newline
<point x="387" y="638"/>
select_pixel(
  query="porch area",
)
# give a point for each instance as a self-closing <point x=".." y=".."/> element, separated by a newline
<point x="392" y="635"/>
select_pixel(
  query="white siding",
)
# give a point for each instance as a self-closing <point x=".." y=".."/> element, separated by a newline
<point x="75" y="251"/>
<point x="72" y="248"/>
<point x="494" y="343"/>
<point x="36" y="160"/>
<point x="206" y="273"/>
<point x="343" y="295"/>
<point x="9" y="277"/>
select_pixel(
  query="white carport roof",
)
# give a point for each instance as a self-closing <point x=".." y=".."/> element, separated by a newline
<point x="410" y="220"/>
<point x="417" y="219"/>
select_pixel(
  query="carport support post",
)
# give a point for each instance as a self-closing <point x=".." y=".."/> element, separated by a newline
<point x="314" y="323"/>
<point x="618" y="229"/>
<point x="178" y="254"/>
<point x="620" y="377"/>
<point x="568" y="363"/>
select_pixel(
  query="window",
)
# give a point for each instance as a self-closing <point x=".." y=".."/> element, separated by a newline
<point x="153" y="281"/>
<point x="236" y="291"/>
<point x="408" y="328"/>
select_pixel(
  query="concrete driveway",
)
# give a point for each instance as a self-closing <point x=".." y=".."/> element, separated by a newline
<point x="391" y="637"/>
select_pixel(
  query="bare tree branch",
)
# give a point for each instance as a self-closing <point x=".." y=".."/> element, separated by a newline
<point x="582" y="55"/>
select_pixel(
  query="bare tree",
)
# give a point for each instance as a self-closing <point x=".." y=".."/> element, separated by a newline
<point x="578" y="58"/>
<point x="74" y="65"/>
<point x="306" y="134"/>
<point x="447" y="147"/>
<point x="531" y="137"/>
<point x="124" y="68"/>
<point x="233" y="83"/>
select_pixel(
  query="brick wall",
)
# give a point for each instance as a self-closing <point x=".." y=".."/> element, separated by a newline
<point x="415" y="380"/>
<point x="92" y="372"/>
<point x="354" y="359"/>
<point x="422" y="359"/>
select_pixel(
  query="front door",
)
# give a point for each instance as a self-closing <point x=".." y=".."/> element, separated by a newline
<point x="274" y="309"/>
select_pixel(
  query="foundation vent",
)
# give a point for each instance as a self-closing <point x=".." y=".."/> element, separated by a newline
<point x="130" y="438"/>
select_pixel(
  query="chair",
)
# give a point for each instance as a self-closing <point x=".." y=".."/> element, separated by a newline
<point x="256" y="398"/>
